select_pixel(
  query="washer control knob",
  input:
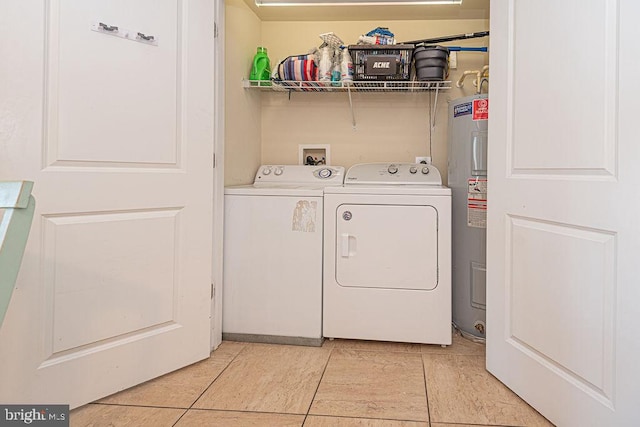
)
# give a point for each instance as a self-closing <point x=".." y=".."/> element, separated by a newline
<point x="278" y="171"/>
<point x="413" y="169"/>
<point x="325" y="173"/>
<point x="425" y="170"/>
<point x="392" y="169"/>
<point x="266" y="171"/>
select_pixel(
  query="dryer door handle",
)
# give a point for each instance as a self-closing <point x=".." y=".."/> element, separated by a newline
<point x="348" y="245"/>
<point x="345" y="245"/>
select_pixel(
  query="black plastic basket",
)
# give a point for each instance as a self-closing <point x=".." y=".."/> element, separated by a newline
<point x="381" y="62"/>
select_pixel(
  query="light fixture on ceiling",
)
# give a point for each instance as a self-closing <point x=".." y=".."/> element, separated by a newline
<point x="353" y="2"/>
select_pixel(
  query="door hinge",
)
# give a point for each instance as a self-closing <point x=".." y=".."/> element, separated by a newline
<point x="214" y="160"/>
<point x="213" y="291"/>
<point x="215" y="30"/>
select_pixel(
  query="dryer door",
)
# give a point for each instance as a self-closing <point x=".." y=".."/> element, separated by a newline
<point x="387" y="246"/>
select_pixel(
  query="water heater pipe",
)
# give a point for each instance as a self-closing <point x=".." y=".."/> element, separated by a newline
<point x="479" y="75"/>
<point x="460" y="82"/>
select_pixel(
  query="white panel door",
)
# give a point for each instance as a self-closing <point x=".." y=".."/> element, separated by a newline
<point x="117" y="134"/>
<point x="387" y="246"/>
<point x="563" y="235"/>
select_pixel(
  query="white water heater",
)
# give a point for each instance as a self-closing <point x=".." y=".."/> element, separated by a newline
<point x="467" y="169"/>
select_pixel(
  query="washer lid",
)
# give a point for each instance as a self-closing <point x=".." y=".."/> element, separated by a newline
<point x="275" y="190"/>
<point x="393" y="174"/>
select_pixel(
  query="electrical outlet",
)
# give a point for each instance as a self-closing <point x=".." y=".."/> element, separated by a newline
<point x="453" y="60"/>
<point x="426" y="160"/>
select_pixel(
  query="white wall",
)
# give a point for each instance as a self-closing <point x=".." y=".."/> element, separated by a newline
<point x="243" y="115"/>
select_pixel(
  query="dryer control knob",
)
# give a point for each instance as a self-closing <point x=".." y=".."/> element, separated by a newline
<point x="392" y="169"/>
<point x="324" y="173"/>
<point x="266" y="171"/>
<point x="425" y="170"/>
<point x="413" y="169"/>
<point x="278" y="171"/>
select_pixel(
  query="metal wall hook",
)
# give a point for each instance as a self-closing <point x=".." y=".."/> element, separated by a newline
<point x="106" y="27"/>
<point x="145" y="37"/>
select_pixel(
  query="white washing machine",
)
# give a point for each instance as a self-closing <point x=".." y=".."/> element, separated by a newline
<point x="272" y="289"/>
<point x="387" y="270"/>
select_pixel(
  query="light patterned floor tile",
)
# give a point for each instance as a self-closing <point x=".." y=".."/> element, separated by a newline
<point x="459" y="345"/>
<point x="370" y="384"/>
<point x="268" y="378"/>
<point x="462" y="391"/>
<point x="378" y="346"/>
<point x="459" y="425"/>
<point x="317" y="421"/>
<point x="93" y="415"/>
<point x="209" y="418"/>
<point x="181" y="388"/>
<point x="329" y="343"/>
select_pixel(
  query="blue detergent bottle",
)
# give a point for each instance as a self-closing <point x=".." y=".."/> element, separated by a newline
<point x="261" y="68"/>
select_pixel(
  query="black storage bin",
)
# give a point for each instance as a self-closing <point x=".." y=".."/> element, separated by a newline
<point x="431" y="63"/>
<point x="381" y="62"/>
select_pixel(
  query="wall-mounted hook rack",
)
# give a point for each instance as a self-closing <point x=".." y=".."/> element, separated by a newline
<point x="123" y="33"/>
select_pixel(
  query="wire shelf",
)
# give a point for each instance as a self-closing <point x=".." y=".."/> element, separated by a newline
<point x="356" y="86"/>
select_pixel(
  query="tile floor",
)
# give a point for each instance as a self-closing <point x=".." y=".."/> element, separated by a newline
<point x="342" y="384"/>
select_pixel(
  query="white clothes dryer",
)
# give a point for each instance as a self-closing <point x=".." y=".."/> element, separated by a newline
<point x="387" y="269"/>
<point x="272" y="279"/>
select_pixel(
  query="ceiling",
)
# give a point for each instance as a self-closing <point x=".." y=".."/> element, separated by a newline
<point x="470" y="9"/>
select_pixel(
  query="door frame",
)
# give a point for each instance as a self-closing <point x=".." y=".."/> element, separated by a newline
<point x="218" y="176"/>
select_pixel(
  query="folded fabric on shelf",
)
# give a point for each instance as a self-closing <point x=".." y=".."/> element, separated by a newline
<point x="298" y="68"/>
